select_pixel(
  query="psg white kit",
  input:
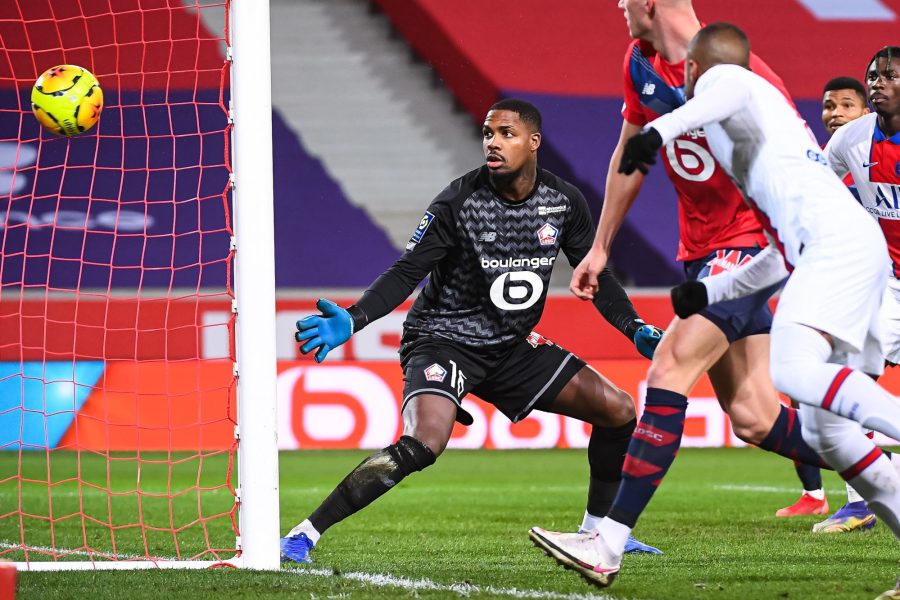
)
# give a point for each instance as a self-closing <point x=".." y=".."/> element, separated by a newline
<point x="861" y="149"/>
<point x="836" y="253"/>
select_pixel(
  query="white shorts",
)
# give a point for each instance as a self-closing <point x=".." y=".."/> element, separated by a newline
<point x="837" y="287"/>
<point x="890" y="320"/>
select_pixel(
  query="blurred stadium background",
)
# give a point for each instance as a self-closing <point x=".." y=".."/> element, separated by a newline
<point x="376" y="107"/>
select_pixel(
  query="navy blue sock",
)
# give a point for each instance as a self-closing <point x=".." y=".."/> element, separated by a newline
<point x="810" y="476"/>
<point x="651" y="452"/>
<point x="785" y="439"/>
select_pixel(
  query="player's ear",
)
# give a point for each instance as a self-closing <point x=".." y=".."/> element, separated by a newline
<point x="535" y="139"/>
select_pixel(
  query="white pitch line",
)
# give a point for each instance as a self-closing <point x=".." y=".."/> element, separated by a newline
<point x="376" y="579"/>
<point x="765" y="488"/>
<point x="72" y="552"/>
<point x="460" y="589"/>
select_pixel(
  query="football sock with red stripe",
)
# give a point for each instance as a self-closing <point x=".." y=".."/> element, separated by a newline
<point x="803" y="373"/>
<point x="651" y="452"/>
<point x="785" y="438"/>
<point x="858" y="461"/>
<point x="810" y="476"/>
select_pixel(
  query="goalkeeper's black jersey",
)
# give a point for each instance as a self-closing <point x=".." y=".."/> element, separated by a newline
<point x="490" y="262"/>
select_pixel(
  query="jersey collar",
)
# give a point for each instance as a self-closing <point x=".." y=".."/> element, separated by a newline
<point x="879" y="135"/>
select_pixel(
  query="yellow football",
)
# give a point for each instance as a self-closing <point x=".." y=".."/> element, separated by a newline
<point x="67" y="100"/>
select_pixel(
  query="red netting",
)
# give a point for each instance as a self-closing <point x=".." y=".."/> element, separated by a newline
<point x="117" y="395"/>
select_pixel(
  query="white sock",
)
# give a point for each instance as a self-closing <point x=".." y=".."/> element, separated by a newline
<point x="818" y="494"/>
<point x="879" y="484"/>
<point x="853" y="495"/>
<point x="843" y="445"/>
<point x="615" y="534"/>
<point x="589" y="522"/>
<point x="800" y="370"/>
<point x="307" y="528"/>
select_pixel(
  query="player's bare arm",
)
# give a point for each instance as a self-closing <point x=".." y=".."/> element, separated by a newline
<point x="621" y="191"/>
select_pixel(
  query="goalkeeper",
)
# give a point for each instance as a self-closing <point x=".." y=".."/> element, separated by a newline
<point x="488" y="242"/>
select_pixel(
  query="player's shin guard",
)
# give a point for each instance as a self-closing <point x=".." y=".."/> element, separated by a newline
<point x="799" y="369"/>
<point x="651" y="452"/>
<point x="858" y="460"/>
<point x="373" y="477"/>
<point x="785" y="439"/>
<point x="606" y="454"/>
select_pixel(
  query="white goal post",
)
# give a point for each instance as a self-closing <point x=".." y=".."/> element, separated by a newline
<point x="256" y="492"/>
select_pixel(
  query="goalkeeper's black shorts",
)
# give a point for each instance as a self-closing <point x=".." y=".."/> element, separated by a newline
<point x="527" y="375"/>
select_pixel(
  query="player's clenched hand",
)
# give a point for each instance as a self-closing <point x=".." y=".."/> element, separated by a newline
<point x="584" y="280"/>
<point x="689" y="298"/>
<point x="640" y="151"/>
<point x="326" y="331"/>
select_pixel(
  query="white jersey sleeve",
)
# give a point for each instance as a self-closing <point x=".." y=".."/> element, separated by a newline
<point x="836" y="153"/>
<point x="763" y="270"/>
<point x="717" y="96"/>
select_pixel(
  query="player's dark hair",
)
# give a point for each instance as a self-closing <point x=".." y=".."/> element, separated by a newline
<point x="527" y="111"/>
<point x="888" y="52"/>
<point x="723" y="53"/>
<point x="846" y="83"/>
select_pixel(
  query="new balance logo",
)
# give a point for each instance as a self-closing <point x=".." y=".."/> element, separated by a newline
<point x="487" y="236"/>
<point x="649" y="88"/>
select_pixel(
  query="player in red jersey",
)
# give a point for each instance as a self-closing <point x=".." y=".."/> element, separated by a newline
<point x="728" y="341"/>
<point x="843" y="100"/>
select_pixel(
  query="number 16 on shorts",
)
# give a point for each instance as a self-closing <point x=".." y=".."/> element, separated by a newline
<point x="457" y="379"/>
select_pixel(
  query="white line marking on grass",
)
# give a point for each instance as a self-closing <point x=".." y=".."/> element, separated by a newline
<point x="461" y="589"/>
<point x="376" y="579"/>
<point x="71" y="552"/>
<point x="765" y="488"/>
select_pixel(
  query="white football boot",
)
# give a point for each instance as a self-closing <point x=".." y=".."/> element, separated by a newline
<point x="585" y="553"/>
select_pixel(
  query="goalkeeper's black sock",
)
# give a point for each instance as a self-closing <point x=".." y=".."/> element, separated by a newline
<point x="606" y="454"/>
<point x="650" y="453"/>
<point x="785" y="439"/>
<point x="373" y="477"/>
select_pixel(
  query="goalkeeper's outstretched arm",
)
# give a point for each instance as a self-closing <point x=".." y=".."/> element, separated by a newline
<point x="335" y="325"/>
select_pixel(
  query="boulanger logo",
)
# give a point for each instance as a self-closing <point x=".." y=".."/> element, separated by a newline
<point x="516" y="263"/>
<point x="690" y="160"/>
<point x="516" y="290"/>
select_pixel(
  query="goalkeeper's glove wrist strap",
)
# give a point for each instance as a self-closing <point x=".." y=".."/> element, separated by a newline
<point x="633" y="327"/>
<point x="360" y="319"/>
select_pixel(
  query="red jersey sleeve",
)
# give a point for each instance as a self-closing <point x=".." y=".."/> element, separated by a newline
<point x="631" y="108"/>
<point x="758" y="66"/>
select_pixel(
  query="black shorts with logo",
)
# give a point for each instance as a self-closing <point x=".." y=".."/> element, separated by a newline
<point x="517" y="379"/>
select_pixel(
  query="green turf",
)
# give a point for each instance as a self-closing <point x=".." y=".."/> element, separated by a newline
<point x="464" y="522"/>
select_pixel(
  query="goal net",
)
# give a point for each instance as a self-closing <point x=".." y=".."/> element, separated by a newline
<point x="119" y="444"/>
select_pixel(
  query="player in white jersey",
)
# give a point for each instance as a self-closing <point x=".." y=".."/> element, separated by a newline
<point x="869" y="149"/>
<point x="843" y="100"/>
<point x="826" y="325"/>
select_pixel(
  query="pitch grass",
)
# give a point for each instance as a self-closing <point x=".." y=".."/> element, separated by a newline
<point x="465" y="521"/>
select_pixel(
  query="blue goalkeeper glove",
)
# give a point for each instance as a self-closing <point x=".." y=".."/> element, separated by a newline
<point x="326" y="331"/>
<point x="646" y="339"/>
